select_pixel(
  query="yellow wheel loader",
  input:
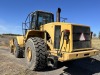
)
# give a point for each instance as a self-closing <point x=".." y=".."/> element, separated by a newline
<point x="45" y="42"/>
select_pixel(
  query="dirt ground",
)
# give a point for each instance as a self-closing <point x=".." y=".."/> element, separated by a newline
<point x="9" y="65"/>
<point x="96" y="43"/>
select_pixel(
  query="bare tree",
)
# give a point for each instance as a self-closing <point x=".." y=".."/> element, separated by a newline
<point x="94" y="35"/>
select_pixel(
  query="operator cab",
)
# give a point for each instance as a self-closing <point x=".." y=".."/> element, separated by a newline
<point x="35" y="19"/>
<point x="39" y="18"/>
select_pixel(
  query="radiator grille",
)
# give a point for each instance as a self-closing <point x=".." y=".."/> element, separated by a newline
<point x="77" y="32"/>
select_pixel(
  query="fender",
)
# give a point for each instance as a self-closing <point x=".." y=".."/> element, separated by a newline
<point x="34" y="33"/>
<point x="20" y="40"/>
<point x="11" y="43"/>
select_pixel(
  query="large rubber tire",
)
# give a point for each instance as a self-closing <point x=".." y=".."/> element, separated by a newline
<point x="39" y="53"/>
<point x="18" y="53"/>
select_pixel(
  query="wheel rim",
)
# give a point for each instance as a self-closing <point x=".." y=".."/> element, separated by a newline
<point x="29" y="54"/>
<point x="11" y="49"/>
<point x="14" y="48"/>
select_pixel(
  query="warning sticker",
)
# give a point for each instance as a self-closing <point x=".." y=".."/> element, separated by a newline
<point x="82" y="37"/>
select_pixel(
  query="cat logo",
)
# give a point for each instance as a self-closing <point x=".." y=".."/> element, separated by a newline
<point x="82" y="37"/>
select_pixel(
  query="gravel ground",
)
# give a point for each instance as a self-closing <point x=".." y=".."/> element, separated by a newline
<point x="9" y="65"/>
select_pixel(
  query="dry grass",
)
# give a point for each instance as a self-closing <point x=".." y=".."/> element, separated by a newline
<point x="96" y="43"/>
<point x="4" y="40"/>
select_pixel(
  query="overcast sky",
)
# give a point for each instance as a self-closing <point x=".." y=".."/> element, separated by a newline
<point x="14" y="12"/>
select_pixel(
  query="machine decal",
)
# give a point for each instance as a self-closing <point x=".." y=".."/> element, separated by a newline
<point x="82" y="37"/>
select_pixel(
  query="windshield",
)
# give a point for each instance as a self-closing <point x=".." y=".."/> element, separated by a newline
<point x="44" y="18"/>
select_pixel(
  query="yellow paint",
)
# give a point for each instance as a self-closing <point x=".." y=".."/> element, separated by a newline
<point x="34" y="33"/>
<point x="76" y="55"/>
<point x="11" y="43"/>
<point x="82" y="49"/>
<point x="29" y="54"/>
<point x="30" y="33"/>
<point x="20" y="40"/>
<point x="50" y="28"/>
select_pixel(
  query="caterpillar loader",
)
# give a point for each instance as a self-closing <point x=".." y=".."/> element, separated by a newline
<point x="45" y="42"/>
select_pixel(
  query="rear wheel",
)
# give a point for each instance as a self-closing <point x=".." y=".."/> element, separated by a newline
<point x="16" y="50"/>
<point x="36" y="53"/>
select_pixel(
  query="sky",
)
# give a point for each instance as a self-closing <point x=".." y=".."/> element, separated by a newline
<point x="14" y="12"/>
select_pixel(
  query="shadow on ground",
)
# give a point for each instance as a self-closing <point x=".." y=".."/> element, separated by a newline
<point x="86" y="66"/>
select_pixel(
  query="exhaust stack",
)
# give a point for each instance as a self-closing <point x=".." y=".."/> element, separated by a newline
<point x="58" y="15"/>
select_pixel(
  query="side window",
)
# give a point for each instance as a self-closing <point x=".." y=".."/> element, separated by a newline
<point x="33" y="22"/>
<point x="40" y="20"/>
